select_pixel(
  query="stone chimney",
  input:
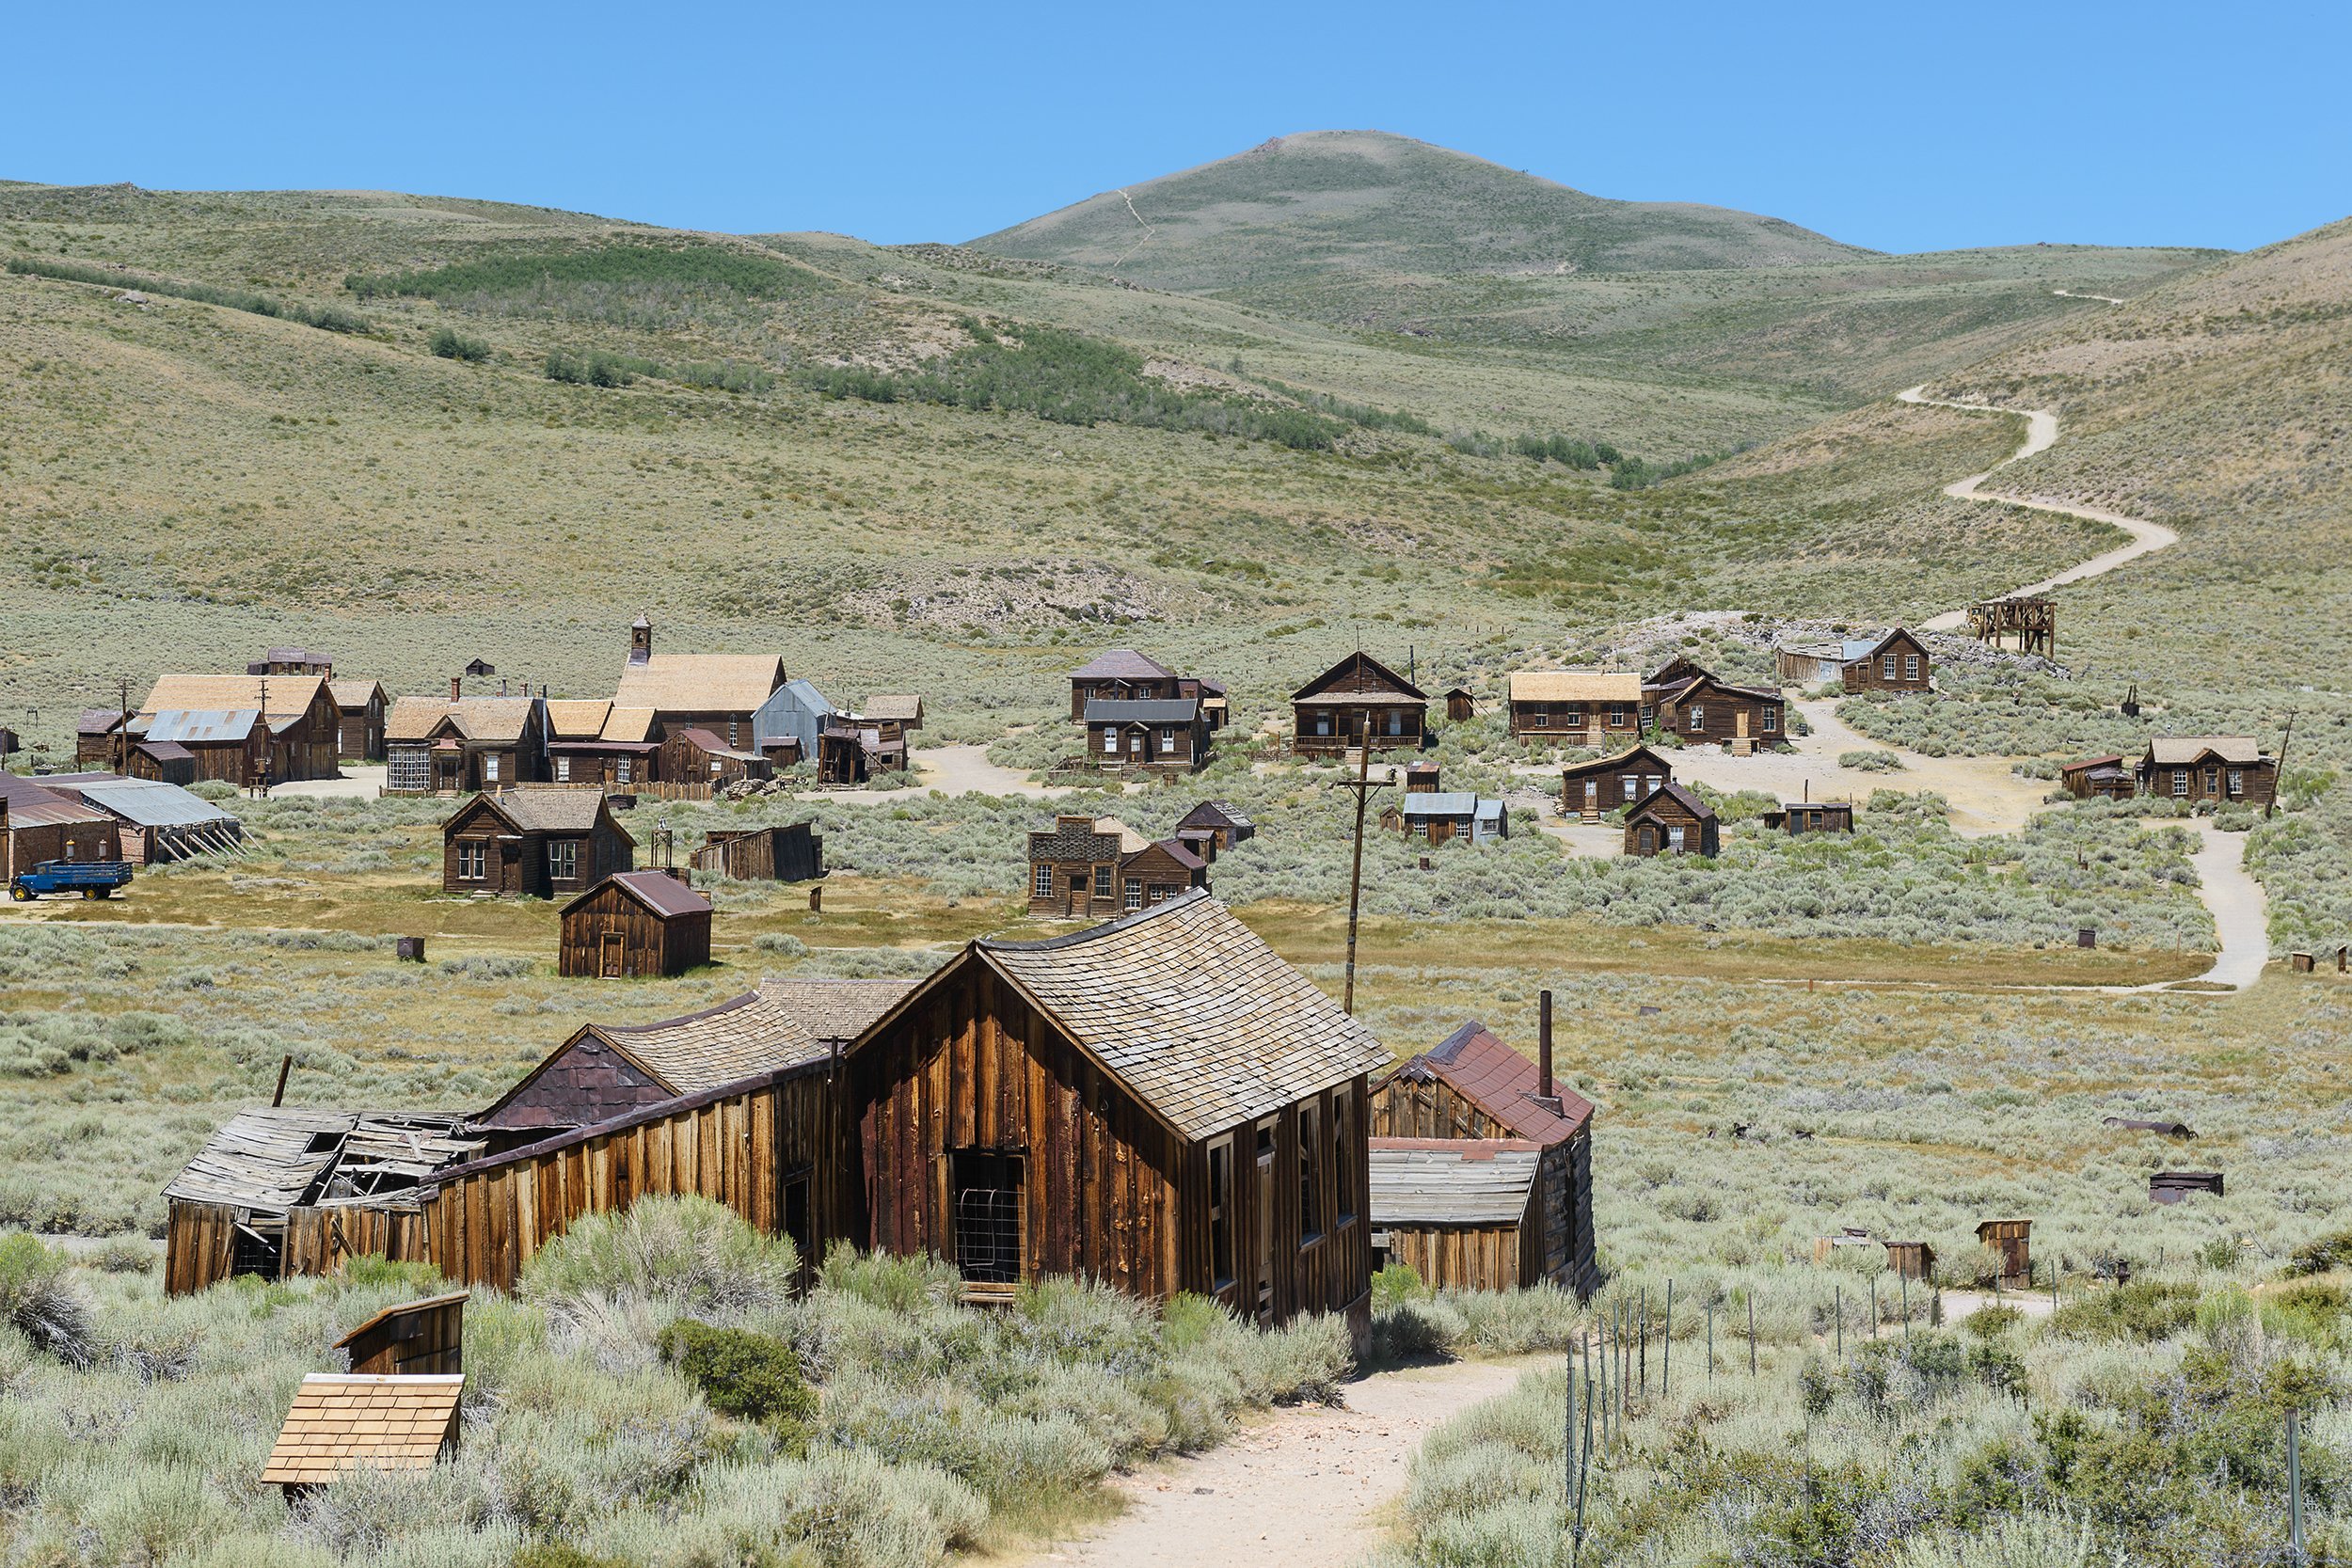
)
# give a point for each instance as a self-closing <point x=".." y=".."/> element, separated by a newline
<point x="456" y="688"/>
<point x="639" y="641"/>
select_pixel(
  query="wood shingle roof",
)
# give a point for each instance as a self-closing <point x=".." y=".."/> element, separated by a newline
<point x="341" y="1421"/>
<point x="781" y="1023"/>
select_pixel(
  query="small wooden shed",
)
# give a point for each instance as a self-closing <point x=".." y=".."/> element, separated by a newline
<point x="1811" y="816"/>
<point x="412" y="1338"/>
<point x="2104" y="776"/>
<point x="694" y="755"/>
<point x="1460" y="704"/>
<point x="634" y="924"/>
<point x="2012" y="1244"/>
<point x="1671" y="820"/>
<point x="1463" y="1212"/>
<point x="791" y="853"/>
<point x="2171" y="1186"/>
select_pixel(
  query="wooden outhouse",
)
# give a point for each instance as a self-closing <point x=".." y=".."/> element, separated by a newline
<point x="2224" y="769"/>
<point x="1161" y="1103"/>
<point x="794" y="852"/>
<point x="1460" y="704"/>
<point x="1593" y="789"/>
<point x="2103" y="777"/>
<point x="547" y="841"/>
<point x="634" y="923"/>
<point x="1358" y="696"/>
<point x="2012" y="1244"/>
<point x="1472" y="1091"/>
<point x="1577" y="707"/>
<point x="1155" y="733"/>
<point x="1671" y="821"/>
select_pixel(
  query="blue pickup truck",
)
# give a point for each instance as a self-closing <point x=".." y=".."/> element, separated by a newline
<point x="91" y="879"/>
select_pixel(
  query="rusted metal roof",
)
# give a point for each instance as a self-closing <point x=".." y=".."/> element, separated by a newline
<point x="1192" y="1011"/>
<point x="31" y="806"/>
<point x="1417" y="1181"/>
<point x="660" y="891"/>
<point x="342" y="1420"/>
<point x="1475" y="1064"/>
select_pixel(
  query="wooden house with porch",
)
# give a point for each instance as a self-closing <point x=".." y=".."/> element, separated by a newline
<point x="591" y="741"/>
<point x="1161" y="1103"/>
<point x="1592" y="789"/>
<point x="1121" y="676"/>
<point x="719" y="692"/>
<point x="691" y="755"/>
<point x="1670" y="820"/>
<point x="633" y="923"/>
<point x="1599" y="708"/>
<point x="460" y="744"/>
<point x="2221" y="769"/>
<point x="1356" y="698"/>
<point x="548" y="842"/>
<point x="1162" y="735"/>
<point x="1707" y="710"/>
<point x="1482" y="1166"/>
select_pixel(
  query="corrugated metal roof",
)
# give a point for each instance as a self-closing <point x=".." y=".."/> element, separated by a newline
<point x="203" y="726"/>
<point x="1449" y="803"/>
<point x="1450" y="1180"/>
<point x="150" y="803"/>
<point x="32" y="806"/>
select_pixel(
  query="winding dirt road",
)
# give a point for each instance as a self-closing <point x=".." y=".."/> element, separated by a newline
<point x="1304" y="1488"/>
<point x="2041" y="428"/>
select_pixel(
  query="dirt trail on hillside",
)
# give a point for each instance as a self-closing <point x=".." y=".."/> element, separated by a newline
<point x="2041" y="431"/>
<point x="1302" y="1489"/>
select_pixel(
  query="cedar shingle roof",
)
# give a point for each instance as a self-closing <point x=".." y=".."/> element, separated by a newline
<point x="1626" y="758"/>
<point x="628" y="724"/>
<point x="1213" y="814"/>
<point x="354" y="693"/>
<point x="1394" y="685"/>
<point x="490" y="720"/>
<point x="341" y="1421"/>
<point x="660" y="891"/>
<point x="1577" y="686"/>
<point x="1122" y="664"/>
<point x="290" y="696"/>
<point x="901" y="707"/>
<point x="1450" y="1180"/>
<point x="576" y="717"/>
<point x="1192" y="1011"/>
<point x="274" y="1159"/>
<point x="782" y="1023"/>
<point x="1477" y="1066"/>
<point x="700" y="683"/>
<point x="546" y="810"/>
<point x="1698" y="809"/>
<point x="2179" y="750"/>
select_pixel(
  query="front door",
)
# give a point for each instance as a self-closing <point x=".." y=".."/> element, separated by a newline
<point x="1592" y="797"/>
<point x="609" y="956"/>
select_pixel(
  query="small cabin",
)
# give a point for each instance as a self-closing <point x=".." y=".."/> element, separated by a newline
<point x="634" y="924"/>
<point x="543" y="843"/>
<point x="1898" y="661"/>
<point x="2101" y="778"/>
<point x="1160" y="1103"/>
<point x="693" y="755"/>
<point x="1599" y="708"/>
<point x="2223" y="769"/>
<point x="1706" y="710"/>
<point x="1810" y="816"/>
<point x="2011" y="1244"/>
<point x="1225" y="823"/>
<point x="1592" y="789"/>
<point x="1440" y="816"/>
<point x="1358" y="697"/>
<point x="1460" y="704"/>
<point x="1167" y="735"/>
<point x="791" y="853"/>
<point x="1671" y="820"/>
<point x="1482" y="1167"/>
<point x="410" y="1339"/>
<point x="849" y="750"/>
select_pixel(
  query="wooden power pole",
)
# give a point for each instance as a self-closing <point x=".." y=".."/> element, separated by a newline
<point x="2279" y="773"/>
<point x="122" y="728"/>
<point x="1363" y="786"/>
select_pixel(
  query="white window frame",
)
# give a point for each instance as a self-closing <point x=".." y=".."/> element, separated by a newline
<point x="1102" y="881"/>
<point x="1041" y="881"/>
<point x="2237" y="782"/>
<point x="1134" y="900"/>
<point x="564" y="769"/>
<point x="623" y="769"/>
<point x="2180" y="783"/>
<point x="1911" y="667"/>
<point x="1674" y="837"/>
<point x="564" y="860"/>
<point x="473" y="860"/>
<point x="1770" y="718"/>
<point x="489" y="767"/>
<point x="1616" y="717"/>
<point x="1168" y="742"/>
<point x="1886" y="666"/>
<point x="1632" y="787"/>
<point x="1694" y="719"/>
<point x="1111" y="742"/>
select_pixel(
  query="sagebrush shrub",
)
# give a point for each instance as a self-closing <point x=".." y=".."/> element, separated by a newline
<point x="742" y="1373"/>
<point x="40" y="1297"/>
<point x="687" y="1249"/>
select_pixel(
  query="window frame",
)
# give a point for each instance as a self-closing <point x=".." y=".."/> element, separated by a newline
<point x="1342" y="1190"/>
<point x="474" y="853"/>
<point x="966" y="1169"/>
<point x="1694" y="719"/>
<point x="1103" y="880"/>
<point x="1041" y="880"/>
<point x="1223" y="1266"/>
<point x="562" y="859"/>
<point x="1132" y="894"/>
<point x="1309" y="1124"/>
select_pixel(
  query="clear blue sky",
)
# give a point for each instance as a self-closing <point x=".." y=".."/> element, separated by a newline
<point x="1902" y="127"/>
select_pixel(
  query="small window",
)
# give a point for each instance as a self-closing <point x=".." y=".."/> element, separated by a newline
<point x="1694" y="717"/>
<point x="1309" y="1173"/>
<point x="1886" y="667"/>
<point x="2180" y="783"/>
<point x="1042" y="882"/>
<point x="1674" y="839"/>
<point x="1540" y="715"/>
<point x="563" y="858"/>
<point x="564" y="769"/>
<point x="1632" y="787"/>
<point x="1134" y="893"/>
<point x="734" y="734"/>
<point x="1102" y="882"/>
<point x="1343" y="1130"/>
<point x="1616" y="719"/>
<point x="1396" y="722"/>
<point x="1110" y="740"/>
<point x="490" y="768"/>
<point x="1911" y="667"/>
<point x="2237" y="782"/>
<point x="1220" y="1214"/>
<point x="1772" y="718"/>
<point x="1168" y="742"/>
<point x="984" y="1190"/>
<point x="473" y="860"/>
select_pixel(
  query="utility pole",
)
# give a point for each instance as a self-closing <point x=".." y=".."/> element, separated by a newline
<point x="1363" y="786"/>
<point x="122" y="729"/>
<point x="2279" y="773"/>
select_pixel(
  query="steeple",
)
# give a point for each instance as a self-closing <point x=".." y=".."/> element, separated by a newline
<point x="639" y="641"/>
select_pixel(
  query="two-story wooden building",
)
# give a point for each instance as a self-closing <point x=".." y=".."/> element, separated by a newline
<point x="245" y="730"/>
<point x="1670" y="820"/>
<point x="591" y="741"/>
<point x="548" y="842"/>
<point x="360" y="710"/>
<point x="2224" y="769"/>
<point x="1356" y="698"/>
<point x="1592" y="789"/>
<point x="1168" y="734"/>
<point x="1599" y="708"/>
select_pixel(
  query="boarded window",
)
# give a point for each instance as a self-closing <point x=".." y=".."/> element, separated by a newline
<point x="985" y="1188"/>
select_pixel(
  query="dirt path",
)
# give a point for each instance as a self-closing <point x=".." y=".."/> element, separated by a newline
<point x="2241" y="911"/>
<point x="358" y="783"/>
<point x="2042" y="429"/>
<point x="1301" y="1489"/>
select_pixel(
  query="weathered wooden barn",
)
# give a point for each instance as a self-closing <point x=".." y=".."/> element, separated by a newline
<point x="360" y="710"/>
<point x="610" y="1071"/>
<point x="460" y="744"/>
<point x="1161" y="1103"/>
<point x="1670" y="820"/>
<point x="1357" y="697"/>
<point x="590" y="741"/>
<point x="1811" y="816"/>
<point x="2224" y="769"/>
<point x="2103" y="777"/>
<point x="38" y="824"/>
<point x="245" y="730"/>
<point x="1592" y="789"/>
<point x="1707" y="710"/>
<point x="158" y="823"/>
<point x="545" y="842"/>
<point x="1516" y="1130"/>
<point x="719" y="692"/>
<point x="1576" y="707"/>
<point x="794" y="852"/>
<point x="633" y="923"/>
<point x="693" y="755"/>
<point x="1225" y="823"/>
<point x="1155" y="733"/>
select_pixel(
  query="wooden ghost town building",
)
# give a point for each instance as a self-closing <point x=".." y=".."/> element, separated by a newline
<point x="1158" y="1102"/>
